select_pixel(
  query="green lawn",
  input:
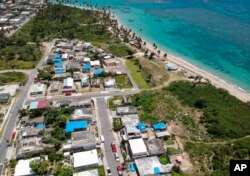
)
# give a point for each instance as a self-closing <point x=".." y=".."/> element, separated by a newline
<point x="123" y="81"/>
<point x="120" y="50"/>
<point x="164" y="160"/>
<point x="13" y="77"/>
<point x="137" y="75"/>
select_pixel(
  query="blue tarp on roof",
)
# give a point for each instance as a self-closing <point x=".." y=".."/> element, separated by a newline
<point x="57" y="58"/>
<point x="41" y="125"/>
<point x="141" y="126"/>
<point x="159" y="126"/>
<point x="157" y="170"/>
<point x="98" y="72"/>
<point x="86" y="67"/>
<point x="71" y="126"/>
<point x="58" y="71"/>
<point x="132" y="167"/>
<point x="59" y="64"/>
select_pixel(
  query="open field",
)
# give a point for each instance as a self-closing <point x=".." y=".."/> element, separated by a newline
<point x="13" y="77"/>
<point x="123" y="81"/>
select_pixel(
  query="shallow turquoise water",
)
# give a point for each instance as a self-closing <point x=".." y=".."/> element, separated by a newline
<point x="212" y="34"/>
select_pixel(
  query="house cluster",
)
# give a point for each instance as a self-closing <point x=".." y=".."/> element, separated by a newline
<point x="80" y="149"/>
<point x="144" y="144"/>
<point x="77" y="67"/>
<point x="14" y="13"/>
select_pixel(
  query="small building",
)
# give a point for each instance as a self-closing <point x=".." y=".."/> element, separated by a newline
<point x="85" y="140"/>
<point x="96" y="83"/>
<point x="130" y="119"/>
<point x="159" y="126"/>
<point x="72" y="126"/>
<point x="82" y="114"/>
<point x="23" y="167"/>
<point x="68" y="83"/>
<point x="132" y="132"/>
<point x="137" y="148"/>
<point x="65" y="56"/>
<point x="109" y="83"/>
<point x="85" y="159"/>
<point x="4" y="97"/>
<point x="37" y="89"/>
<point x="95" y="64"/>
<point x="30" y="132"/>
<point x="111" y="63"/>
<point x="86" y="68"/>
<point x="60" y="71"/>
<point x="81" y="104"/>
<point x="42" y="104"/>
<point x="74" y="66"/>
<point x="155" y="147"/>
<point x="55" y="87"/>
<point x="98" y="72"/>
<point x="86" y="60"/>
<point x="59" y="64"/>
<point x="126" y="110"/>
<point x="149" y="166"/>
<point x="85" y="81"/>
<point x="93" y="172"/>
<point x="78" y="47"/>
<point x="86" y="46"/>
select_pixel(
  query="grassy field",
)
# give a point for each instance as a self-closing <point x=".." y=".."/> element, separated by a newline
<point x="123" y="81"/>
<point x="137" y="75"/>
<point x="120" y="50"/>
<point x="13" y="77"/>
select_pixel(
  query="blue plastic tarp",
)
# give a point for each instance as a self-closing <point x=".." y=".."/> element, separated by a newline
<point x="58" y="71"/>
<point x="132" y="167"/>
<point x="141" y="126"/>
<point x="41" y="125"/>
<point x="86" y="67"/>
<point x="59" y="64"/>
<point x="159" y="126"/>
<point x="98" y="72"/>
<point x="71" y="126"/>
<point x="157" y="170"/>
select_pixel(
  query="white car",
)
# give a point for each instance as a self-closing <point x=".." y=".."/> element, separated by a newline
<point x="117" y="157"/>
<point x="102" y="138"/>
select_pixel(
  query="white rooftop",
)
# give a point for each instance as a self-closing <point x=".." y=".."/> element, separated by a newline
<point x="23" y="168"/>
<point x="95" y="63"/>
<point x="137" y="146"/>
<point x="37" y="87"/>
<point x="86" y="159"/>
<point x="68" y="82"/>
<point x="87" y="173"/>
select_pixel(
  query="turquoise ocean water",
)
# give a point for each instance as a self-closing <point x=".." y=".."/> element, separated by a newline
<point x="212" y="34"/>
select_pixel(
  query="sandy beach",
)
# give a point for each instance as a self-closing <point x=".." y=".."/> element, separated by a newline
<point x="181" y="64"/>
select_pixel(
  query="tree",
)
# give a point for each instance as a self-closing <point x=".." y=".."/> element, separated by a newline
<point x="58" y="133"/>
<point x="55" y="157"/>
<point x="44" y="75"/>
<point x="61" y="170"/>
<point x="60" y="121"/>
<point x="40" y="166"/>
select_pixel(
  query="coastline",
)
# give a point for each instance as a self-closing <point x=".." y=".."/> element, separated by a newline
<point x="182" y="64"/>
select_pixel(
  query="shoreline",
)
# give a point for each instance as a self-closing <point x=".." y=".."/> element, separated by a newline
<point x="181" y="63"/>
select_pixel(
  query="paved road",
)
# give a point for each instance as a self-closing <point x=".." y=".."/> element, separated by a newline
<point x="18" y="105"/>
<point x="107" y="132"/>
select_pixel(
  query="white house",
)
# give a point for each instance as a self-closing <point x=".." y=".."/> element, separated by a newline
<point x="37" y="89"/>
<point x="137" y="148"/>
<point x="85" y="159"/>
<point x="68" y="83"/>
<point x="23" y="169"/>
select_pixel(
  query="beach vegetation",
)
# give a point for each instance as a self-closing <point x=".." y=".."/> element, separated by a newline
<point x="120" y="50"/>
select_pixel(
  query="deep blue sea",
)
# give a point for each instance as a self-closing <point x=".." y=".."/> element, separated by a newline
<point x="212" y="34"/>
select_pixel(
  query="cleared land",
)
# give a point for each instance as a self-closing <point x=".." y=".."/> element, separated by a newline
<point x="123" y="81"/>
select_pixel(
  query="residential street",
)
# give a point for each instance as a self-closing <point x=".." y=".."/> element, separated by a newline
<point x="107" y="132"/>
<point x="18" y="105"/>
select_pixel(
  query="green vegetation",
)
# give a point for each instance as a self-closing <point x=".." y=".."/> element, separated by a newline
<point x="44" y="75"/>
<point x="13" y="77"/>
<point x="172" y="151"/>
<point x="40" y="166"/>
<point x="169" y="142"/>
<point x="123" y="81"/>
<point x="216" y="156"/>
<point x="101" y="171"/>
<point x="112" y="104"/>
<point x="137" y="75"/>
<point x="219" y="107"/>
<point x="120" y="50"/>
<point x="164" y="160"/>
<point x="117" y="126"/>
<point x="62" y="170"/>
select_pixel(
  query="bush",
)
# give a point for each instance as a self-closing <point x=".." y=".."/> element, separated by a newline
<point x="164" y="160"/>
<point x="117" y="125"/>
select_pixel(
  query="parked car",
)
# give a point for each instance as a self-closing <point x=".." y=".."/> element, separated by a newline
<point x="102" y="138"/>
<point x="113" y="146"/>
<point x="117" y="157"/>
<point x="119" y="170"/>
<point x="109" y="171"/>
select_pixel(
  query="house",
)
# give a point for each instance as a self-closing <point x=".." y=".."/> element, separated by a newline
<point x="65" y="56"/>
<point x="86" y="68"/>
<point x="59" y="64"/>
<point x="78" y="47"/>
<point x="132" y="132"/>
<point x="93" y="172"/>
<point x="23" y="167"/>
<point x="130" y="119"/>
<point x="81" y="140"/>
<point x="68" y="85"/>
<point x="86" y="46"/>
<point x="30" y="132"/>
<point x="160" y="130"/>
<point x="42" y="104"/>
<point x="149" y="166"/>
<point x="96" y="83"/>
<point x="98" y="72"/>
<point x="82" y="114"/>
<point x="109" y="83"/>
<point x="74" y="66"/>
<point x="111" y="63"/>
<point x="85" y="81"/>
<point x="72" y="126"/>
<point x="155" y="147"/>
<point x="81" y="104"/>
<point x="55" y="87"/>
<point x="62" y="73"/>
<point x="95" y="64"/>
<point x="4" y="97"/>
<point x="126" y="110"/>
<point x="86" y="60"/>
<point x="37" y="89"/>
<point x="137" y="148"/>
<point x="85" y="159"/>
